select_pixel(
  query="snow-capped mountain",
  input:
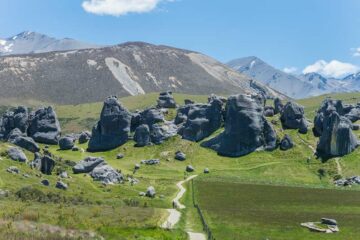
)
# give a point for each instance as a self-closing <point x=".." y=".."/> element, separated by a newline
<point x="32" y="42"/>
<point x="272" y="77"/>
<point x="295" y="86"/>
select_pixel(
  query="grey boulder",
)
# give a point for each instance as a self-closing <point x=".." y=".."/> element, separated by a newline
<point x="106" y="174"/>
<point x="278" y="106"/>
<point x="44" y="126"/>
<point x="166" y="100"/>
<point x="180" y="156"/>
<point x="286" y="143"/>
<point x="61" y="185"/>
<point x="19" y="139"/>
<point x="150" y="192"/>
<point x="189" y="168"/>
<point x="84" y="137"/>
<point x="47" y="165"/>
<point x="292" y="117"/>
<point x="142" y="136"/>
<point x="17" y="154"/>
<point x="66" y="143"/>
<point x="87" y="165"/>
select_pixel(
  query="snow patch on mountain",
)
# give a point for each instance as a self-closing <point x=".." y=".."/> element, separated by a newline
<point x="122" y="73"/>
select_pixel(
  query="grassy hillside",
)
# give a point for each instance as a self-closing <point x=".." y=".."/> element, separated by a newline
<point x="117" y="212"/>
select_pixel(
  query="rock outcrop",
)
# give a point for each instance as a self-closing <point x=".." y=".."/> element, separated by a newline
<point x="44" y="126"/>
<point x="200" y="120"/>
<point x="106" y="174"/>
<point x="334" y="130"/>
<point x="47" y="165"/>
<point x="246" y="128"/>
<point x="87" y="165"/>
<point x="142" y="136"/>
<point x="292" y="117"/>
<point x="286" y="143"/>
<point x="20" y="139"/>
<point x="84" y="137"/>
<point x="278" y="106"/>
<point x="166" y="100"/>
<point x="66" y="143"/>
<point x="12" y="120"/>
<point x="113" y="128"/>
<point x="16" y="154"/>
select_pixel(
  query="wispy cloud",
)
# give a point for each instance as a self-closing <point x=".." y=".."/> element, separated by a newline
<point x="333" y="68"/>
<point x="356" y="52"/>
<point x="290" y="70"/>
<point x="120" y="7"/>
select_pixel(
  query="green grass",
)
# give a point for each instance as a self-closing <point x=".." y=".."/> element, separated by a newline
<point x="138" y="217"/>
<point x="248" y="211"/>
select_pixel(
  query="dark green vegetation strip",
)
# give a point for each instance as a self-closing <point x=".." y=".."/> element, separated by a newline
<point x="249" y="211"/>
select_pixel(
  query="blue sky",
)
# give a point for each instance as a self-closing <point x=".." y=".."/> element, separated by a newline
<point x="285" y="33"/>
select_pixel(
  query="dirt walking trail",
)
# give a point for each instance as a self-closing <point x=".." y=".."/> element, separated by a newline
<point x="175" y="215"/>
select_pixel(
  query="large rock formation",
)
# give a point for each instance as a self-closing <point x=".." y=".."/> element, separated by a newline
<point x="142" y="135"/>
<point x="20" y="139"/>
<point x="292" y="117"/>
<point x="166" y="100"/>
<point x="246" y="128"/>
<point x="113" y="128"/>
<point x="334" y="130"/>
<point x="14" y="119"/>
<point x="44" y="126"/>
<point x="200" y="120"/>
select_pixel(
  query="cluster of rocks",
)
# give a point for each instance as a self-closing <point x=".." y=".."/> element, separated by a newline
<point x="99" y="170"/>
<point x="24" y="129"/>
<point x="292" y="117"/>
<point x="327" y="225"/>
<point x="348" y="181"/>
<point x="246" y="128"/>
<point x="198" y="121"/>
<point x="334" y="129"/>
<point x="150" y="162"/>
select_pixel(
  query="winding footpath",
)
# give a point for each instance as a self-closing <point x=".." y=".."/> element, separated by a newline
<point x="175" y="215"/>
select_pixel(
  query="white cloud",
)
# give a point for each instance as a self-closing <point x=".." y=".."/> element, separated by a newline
<point x="290" y="70"/>
<point x="120" y="7"/>
<point x="356" y="52"/>
<point x="333" y="68"/>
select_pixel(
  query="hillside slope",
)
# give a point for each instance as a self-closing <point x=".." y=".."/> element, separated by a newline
<point x="129" y="69"/>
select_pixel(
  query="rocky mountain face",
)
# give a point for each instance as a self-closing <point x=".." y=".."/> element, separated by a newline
<point x="90" y="75"/>
<point x="295" y="86"/>
<point x="32" y="42"/>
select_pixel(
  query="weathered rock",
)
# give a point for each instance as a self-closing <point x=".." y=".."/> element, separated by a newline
<point x="166" y="100"/>
<point x="13" y="170"/>
<point x="137" y="166"/>
<point x="47" y="165"/>
<point x="292" y="117"/>
<point x="84" y="137"/>
<point x="45" y="182"/>
<point x="328" y="221"/>
<point x="151" y="162"/>
<point x="337" y="138"/>
<point x="269" y="111"/>
<point x="182" y="114"/>
<point x="354" y="114"/>
<point x="17" y="154"/>
<point x="64" y="174"/>
<point x="120" y="156"/>
<point x="87" y="165"/>
<point x="201" y="119"/>
<point x="106" y="174"/>
<point x="14" y="119"/>
<point x="19" y="139"/>
<point x="206" y="171"/>
<point x="355" y="127"/>
<point x="66" y="143"/>
<point x="61" y="185"/>
<point x="246" y="128"/>
<point x="150" y="117"/>
<point x="286" y="143"/>
<point x="278" y="106"/>
<point x="44" y="126"/>
<point x="334" y="130"/>
<point x="113" y="128"/>
<point x="150" y="192"/>
<point x="190" y="168"/>
<point x="188" y="101"/>
<point x="180" y="156"/>
<point x="142" y="136"/>
<point x="36" y="163"/>
<point x="161" y="132"/>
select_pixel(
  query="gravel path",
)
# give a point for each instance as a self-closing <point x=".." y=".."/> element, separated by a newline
<point x="175" y="215"/>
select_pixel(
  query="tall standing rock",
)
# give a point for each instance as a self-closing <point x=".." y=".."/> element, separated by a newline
<point x="246" y="128"/>
<point x="14" y="119"/>
<point x="278" y="106"/>
<point x="44" y="126"/>
<point x="292" y="117"/>
<point x="112" y="130"/>
<point x="166" y="100"/>
<point x="142" y="136"/>
<point x="334" y="130"/>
